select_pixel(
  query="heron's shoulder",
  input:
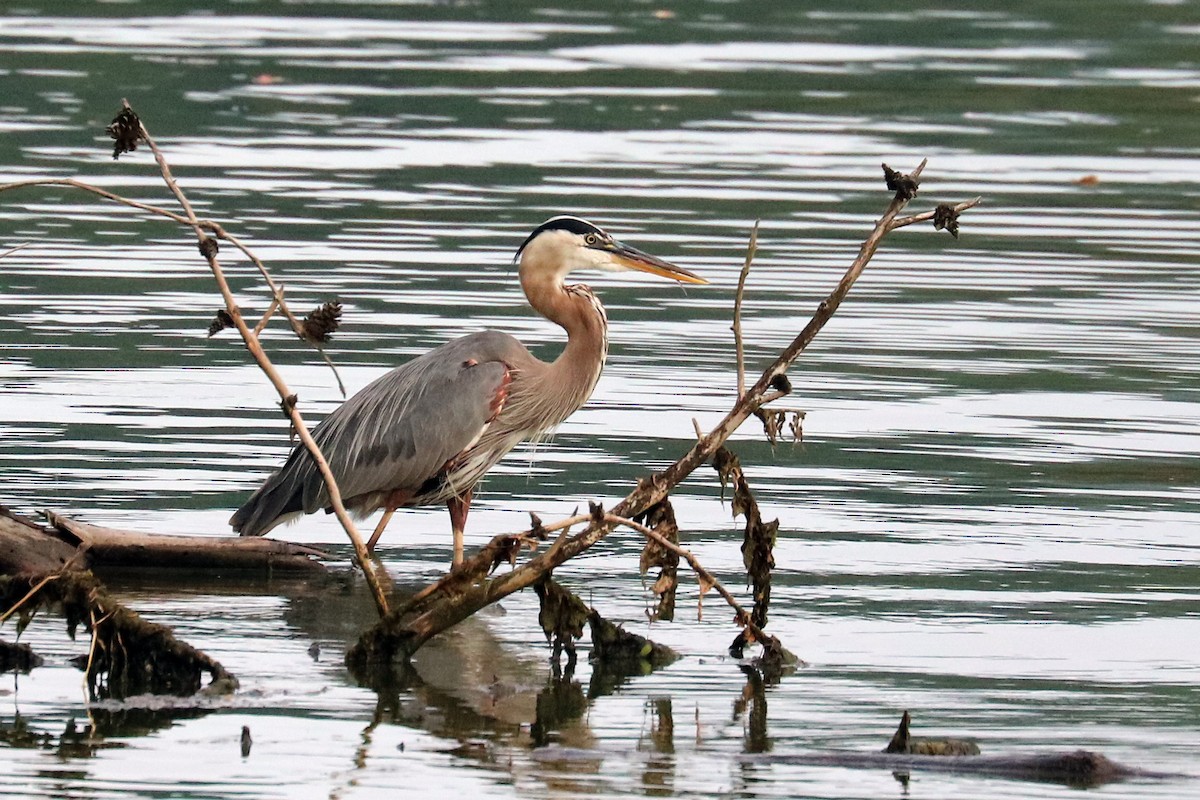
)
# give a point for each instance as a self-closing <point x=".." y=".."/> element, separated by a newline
<point x="482" y="346"/>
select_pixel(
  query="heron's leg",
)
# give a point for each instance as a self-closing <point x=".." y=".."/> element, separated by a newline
<point x="459" y="506"/>
<point x="383" y="521"/>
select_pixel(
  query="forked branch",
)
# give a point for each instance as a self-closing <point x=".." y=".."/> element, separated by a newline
<point x="400" y="634"/>
<point x="208" y="248"/>
<point x="129" y="130"/>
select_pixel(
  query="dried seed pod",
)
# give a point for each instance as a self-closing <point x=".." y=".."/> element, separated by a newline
<point x="126" y="132"/>
<point x="220" y="322"/>
<point x="905" y="186"/>
<point x="322" y="322"/>
<point x="209" y="247"/>
<point x="944" y="216"/>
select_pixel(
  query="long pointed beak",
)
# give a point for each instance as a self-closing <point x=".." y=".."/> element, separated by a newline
<point x="632" y="258"/>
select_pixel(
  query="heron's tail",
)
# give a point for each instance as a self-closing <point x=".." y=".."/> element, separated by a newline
<point x="275" y="502"/>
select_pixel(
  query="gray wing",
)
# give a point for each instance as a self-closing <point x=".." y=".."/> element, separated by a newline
<point x="396" y="433"/>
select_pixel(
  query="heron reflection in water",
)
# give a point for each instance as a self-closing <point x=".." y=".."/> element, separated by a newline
<point x="427" y="432"/>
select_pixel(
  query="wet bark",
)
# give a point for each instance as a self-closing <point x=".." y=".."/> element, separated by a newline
<point x="27" y="548"/>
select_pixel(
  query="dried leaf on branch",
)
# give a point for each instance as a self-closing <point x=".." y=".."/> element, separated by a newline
<point x="774" y="421"/>
<point x="946" y="216"/>
<point x="758" y="541"/>
<point x="661" y="519"/>
<point x="905" y="186"/>
<point x="562" y="617"/>
<point x="220" y="322"/>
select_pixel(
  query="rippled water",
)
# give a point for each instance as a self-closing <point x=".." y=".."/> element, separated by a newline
<point x="991" y="519"/>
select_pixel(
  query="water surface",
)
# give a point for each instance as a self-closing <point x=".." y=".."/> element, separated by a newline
<point x="990" y="520"/>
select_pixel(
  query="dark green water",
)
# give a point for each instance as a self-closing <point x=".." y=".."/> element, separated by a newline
<point x="991" y="521"/>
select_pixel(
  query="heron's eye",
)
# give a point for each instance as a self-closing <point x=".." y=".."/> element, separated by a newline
<point x="591" y="240"/>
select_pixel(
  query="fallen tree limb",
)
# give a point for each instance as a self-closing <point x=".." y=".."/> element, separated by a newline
<point x="1079" y="769"/>
<point x="399" y="634"/>
<point x="28" y="548"/>
<point x="128" y="130"/>
<point x="128" y="655"/>
<point x="110" y="547"/>
<point x="209" y="249"/>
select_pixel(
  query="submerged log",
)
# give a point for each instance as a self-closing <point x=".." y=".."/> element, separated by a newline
<point x="904" y="742"/>
<point x="29" y="548"/>
<point x="1077" y="768"/>
<point x="127" y="655"/>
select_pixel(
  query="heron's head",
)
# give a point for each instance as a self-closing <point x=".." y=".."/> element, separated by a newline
<point x="565" y="244"/>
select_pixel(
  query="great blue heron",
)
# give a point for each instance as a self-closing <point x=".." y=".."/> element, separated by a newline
<point x="426" y="432"/>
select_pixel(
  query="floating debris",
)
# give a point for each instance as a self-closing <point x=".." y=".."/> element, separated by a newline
<point x="904" y="742"/>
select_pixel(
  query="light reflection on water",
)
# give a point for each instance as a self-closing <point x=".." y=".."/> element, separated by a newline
<point x="990" y="518"/>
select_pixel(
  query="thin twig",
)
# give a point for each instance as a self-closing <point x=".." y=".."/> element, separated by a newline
<point x="12" y="250"/>
<point x="87" y="187"/>
<point x="926" y="216"/>
<point x="403" y="634"/>
<point x="208" y="225"/>
<point x="37" y="588"/>
<point x="751" y="249"/>
<point x="96" y="623"/>
<point x="741" y="615"/>
<point x="209" y="250"/>
<point x="266" y="317"/>
<point x="739" y="341"/>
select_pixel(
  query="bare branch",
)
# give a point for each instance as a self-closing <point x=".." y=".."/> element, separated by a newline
<point x="928" y="216"/>
<point x="127" y="140"/>
<point x="12" y="250"/>
<point x="751" y="249"/>
<point x="399" y="635"/>
<point x="208" y="225"/>
<point x="208" y="249"/>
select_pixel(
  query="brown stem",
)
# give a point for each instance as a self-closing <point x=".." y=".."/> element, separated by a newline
<point x="742" y="616"/>
<point x="266" y="317"/>
<point x="209" y="250"/>
<point x="751" y="249"/>
<point x="401" y="635"/>
<point x="12" y="250"/>
<point x="926" y="216"/>
<point x="208" y="225"/>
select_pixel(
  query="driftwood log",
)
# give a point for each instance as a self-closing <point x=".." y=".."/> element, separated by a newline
<point x="27" y="548"/>
<point x="53" y="567"/>
<point x="1080" y="769"/>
